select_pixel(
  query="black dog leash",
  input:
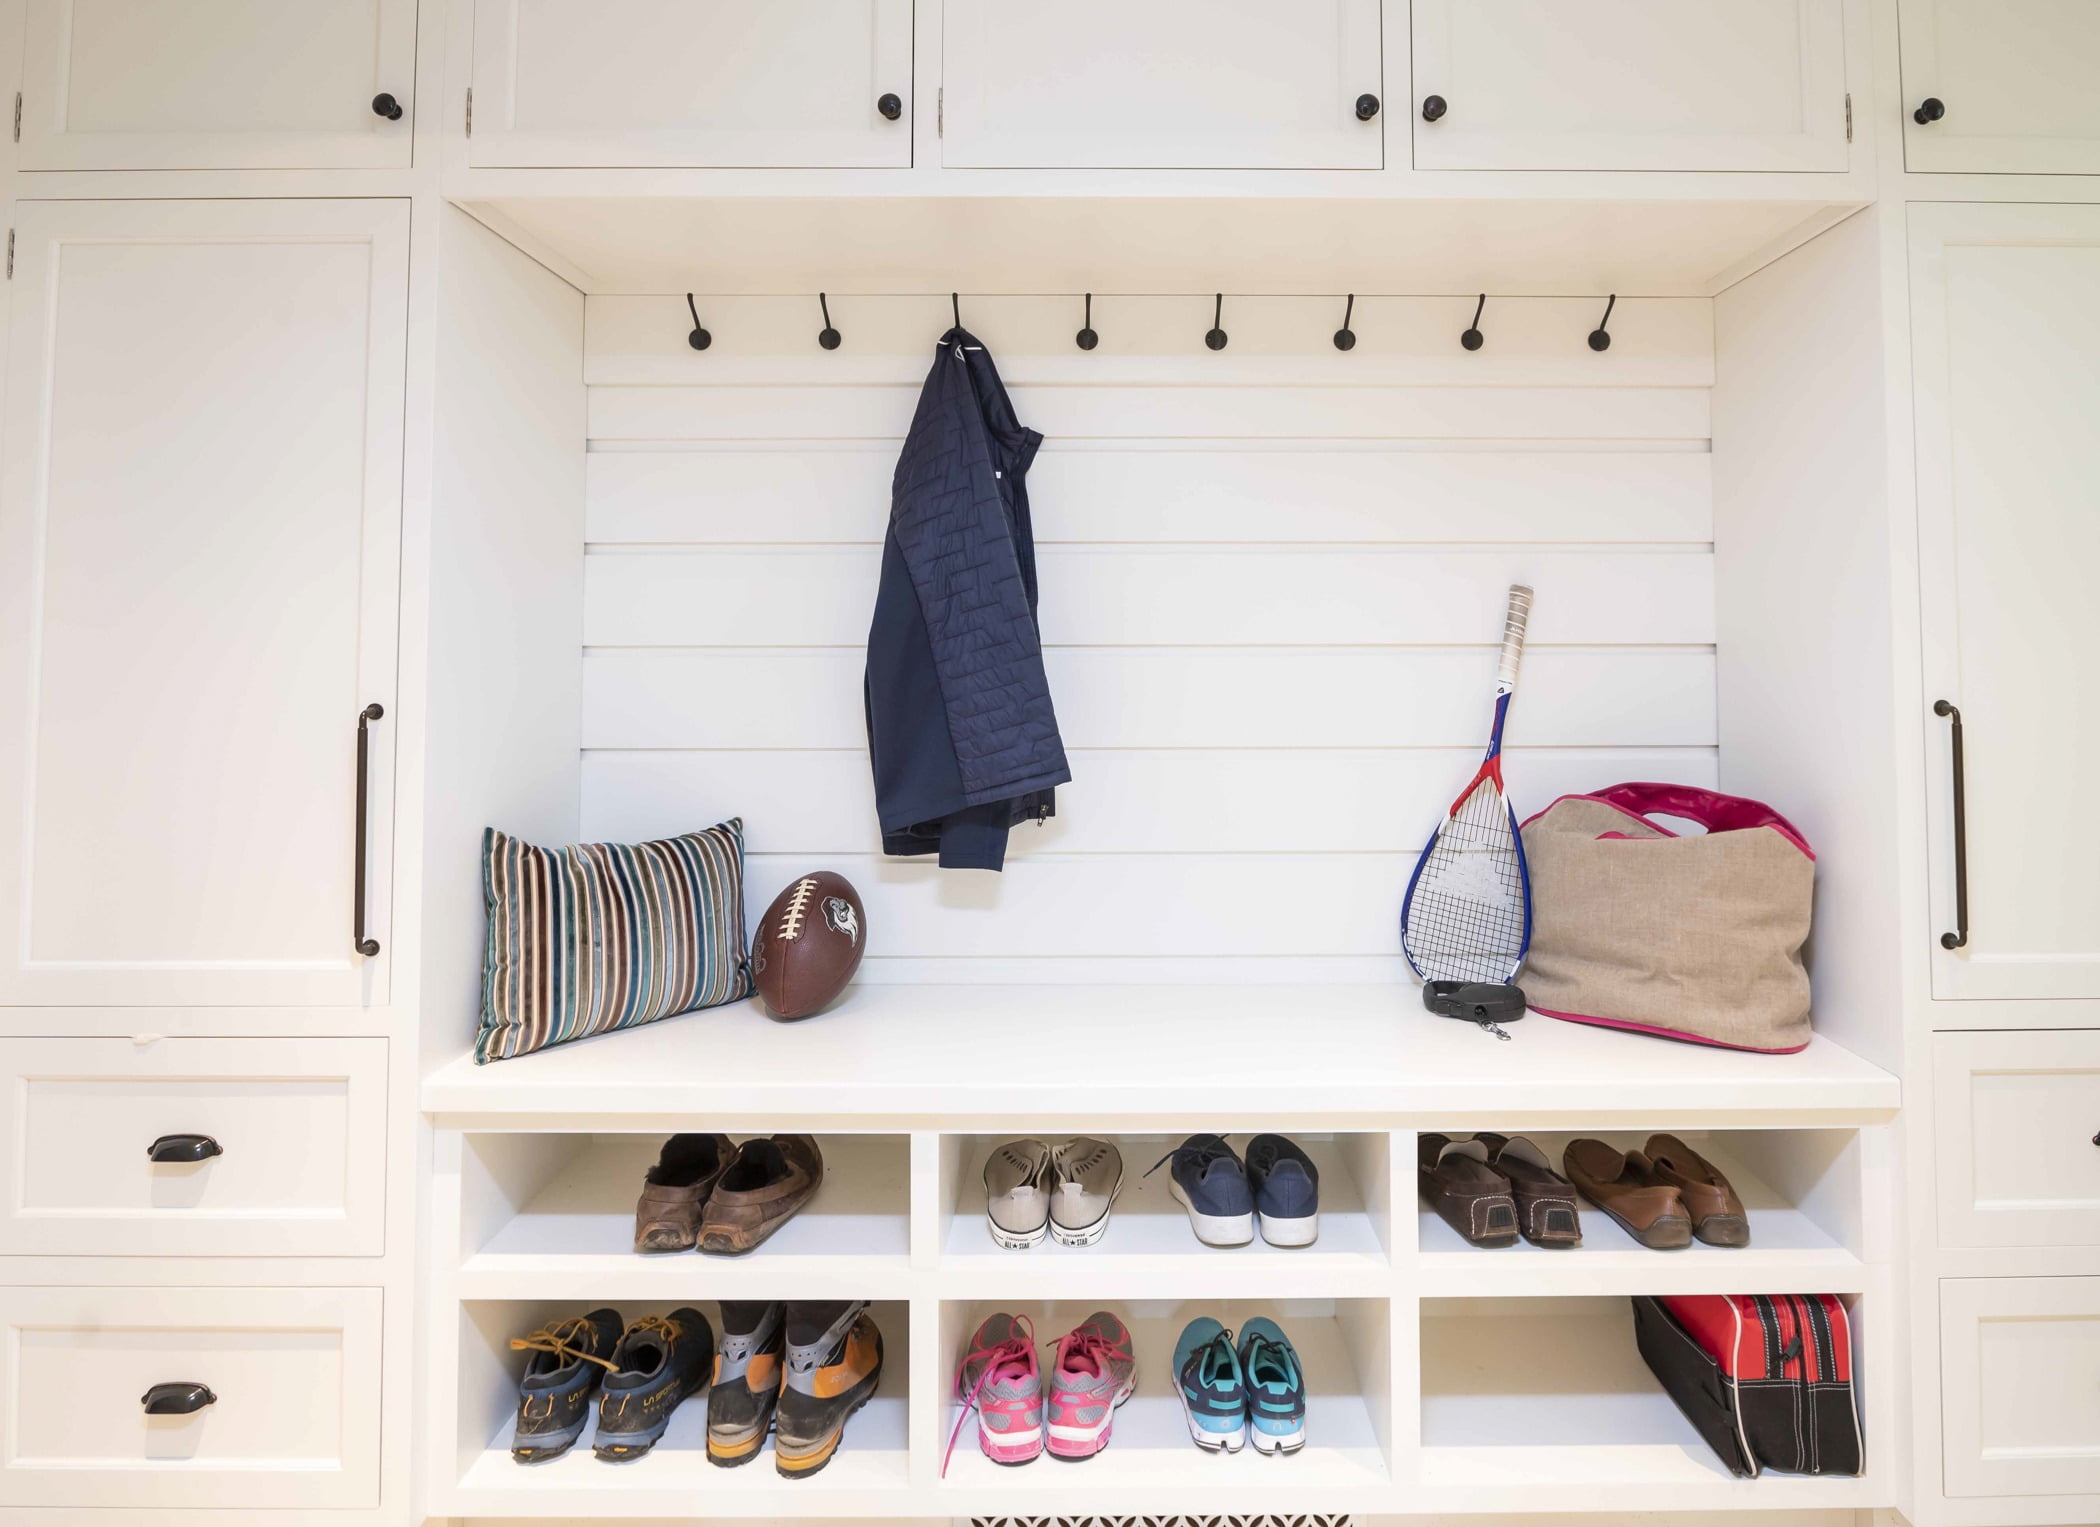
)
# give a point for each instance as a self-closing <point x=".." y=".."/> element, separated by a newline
<point x="1479" y="1002"/>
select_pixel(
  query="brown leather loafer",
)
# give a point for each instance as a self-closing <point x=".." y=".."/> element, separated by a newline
<point x="1472" y="1196"/>
<point x="767" y="1183"/>
<point x="675" y="1191"/>
<point x="1546" y="1212"/>
<point x="1623" y="1185"/>
<point x="1717" y="1214"/>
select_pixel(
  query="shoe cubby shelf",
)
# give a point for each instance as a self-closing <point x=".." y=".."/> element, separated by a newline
<point x="1443" y="1377"/>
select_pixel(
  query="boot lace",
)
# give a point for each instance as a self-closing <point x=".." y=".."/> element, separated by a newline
<point x="562" y="1338"/>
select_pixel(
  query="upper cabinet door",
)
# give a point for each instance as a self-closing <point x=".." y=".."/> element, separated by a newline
<point x="1628" y="85"/>
<point x="2005" y="312"/>
<point x="1167" y="84"/>
<point x="2004" y="85"/>
<point x="758" y="83"/>
<point x="217" y="84"/>
<point x="199" y="555"/>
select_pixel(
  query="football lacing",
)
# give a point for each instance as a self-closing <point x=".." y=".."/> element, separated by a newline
<point x="798" y="905"/>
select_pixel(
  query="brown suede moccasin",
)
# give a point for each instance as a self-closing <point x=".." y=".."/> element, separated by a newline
<point x="1546" y="1210"/>
<point x="675" y="1191"/>
<point x="1472" y="1196"/>
<point x="1717" y="1214"/>
<point x="1623" y="1185"/>
<point x="767" y="1183"/>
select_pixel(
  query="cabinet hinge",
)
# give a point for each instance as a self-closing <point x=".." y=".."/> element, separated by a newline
<point x="1848" y="116"/>
<point x="18" y="116"/>
<point x="470" y="111"/>
<point x="940" y="111"/>
<point x="10" y="254"/>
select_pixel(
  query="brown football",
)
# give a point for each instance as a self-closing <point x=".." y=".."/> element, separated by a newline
<point x="809" y="944"/>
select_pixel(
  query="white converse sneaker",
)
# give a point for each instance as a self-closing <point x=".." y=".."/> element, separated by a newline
<point x="1088" y="1173"/>
<point x="1017" y="1184"/>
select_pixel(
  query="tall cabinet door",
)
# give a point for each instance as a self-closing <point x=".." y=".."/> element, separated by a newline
<point x="758" y="83"/>
<point x="199" y="551"/>
<point x="2005" y="305"/>
<point x="217" y="84"/>
<point x="2016" y="82"/>
<point x="1629" y="85"/>
<point x="1171" y="84"/>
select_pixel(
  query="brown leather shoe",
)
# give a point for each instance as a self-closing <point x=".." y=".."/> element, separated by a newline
<point x="1546" y="1212"/>
<point x="675" y="1191"/>
<point x="1717" y="1214"/>
<point x="1623" y="1185"/>
<point x="764" y="1187"/>
<point x="1472" y="1196"/>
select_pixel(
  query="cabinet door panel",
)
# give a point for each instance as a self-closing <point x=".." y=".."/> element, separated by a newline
<point x="1174" y="84"/>
<point x="1630" y="85"/>
<point x="2016" y="1117"/>
<point x="2005" y="304"/>
<point x="2019" y="81"/>
<point x="2020" y="1407"/>
<point x="216" y="84"/>
<point x="199" y="532"/>
<point x="690" y="82"/>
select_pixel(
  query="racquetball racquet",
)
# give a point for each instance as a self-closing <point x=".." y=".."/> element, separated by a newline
<point x="1467" y="916"/>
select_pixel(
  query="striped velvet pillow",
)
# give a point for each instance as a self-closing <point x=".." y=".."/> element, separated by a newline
<point x="607" y="935"/>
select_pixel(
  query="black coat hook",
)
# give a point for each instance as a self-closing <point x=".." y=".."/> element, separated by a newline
<point x="699" y="339"/>
<point x="955" y="302"/>
<point x="828" y="337"/>
<point x="1343" y="338"/>
<point x="1086" y="338"/>
<point x="1473" y="339"/>
<point x="1216" y="337"/>
<point x="1599" y="340"/>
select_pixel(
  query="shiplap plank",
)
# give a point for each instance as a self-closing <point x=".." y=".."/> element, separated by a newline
<point x="874" y="412"/>
<point x="1134" y="801"/>
<point x="1084" y="906"/>
<point x="1180" y="492"/>
<point x="1156" y="339"/>
<point x="1195" y="697"/>
<point x="1161" y="595"/>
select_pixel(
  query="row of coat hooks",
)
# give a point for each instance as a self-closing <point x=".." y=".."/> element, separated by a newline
<point x="1216" y="338"/>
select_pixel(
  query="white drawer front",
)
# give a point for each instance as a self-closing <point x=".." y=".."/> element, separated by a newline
<point x="295" y="1373"/>
<point x="300" y="1125"/>
<point x="2017" y="1116"/>
<point x="2018" y="1398"/>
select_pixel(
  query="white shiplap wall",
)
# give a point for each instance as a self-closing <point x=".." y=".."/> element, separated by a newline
<point x="1271" y="579"/>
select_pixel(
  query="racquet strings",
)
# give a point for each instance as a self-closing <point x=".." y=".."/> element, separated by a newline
<point x="1466" y="918"/>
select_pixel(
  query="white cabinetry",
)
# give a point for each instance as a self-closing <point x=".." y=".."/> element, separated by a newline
<point x="2002" y="85"/>
<point x="217" y="84"/>
<point x="199" y="546"/>
<point x="2017" y="1115"/>
<point x="1189" y="84"/>
<point x="1628" y="85"/>
<point x="2005" y="303"/>
<point x="2021" y="1407"/>
<point x="562" y="83"/>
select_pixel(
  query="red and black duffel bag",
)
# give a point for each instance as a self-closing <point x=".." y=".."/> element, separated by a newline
<point x="1766" y="1378"/>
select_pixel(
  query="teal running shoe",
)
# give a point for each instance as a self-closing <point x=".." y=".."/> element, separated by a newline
<point x="1213" y="1391"/>
<point x="1275" y="1382"/>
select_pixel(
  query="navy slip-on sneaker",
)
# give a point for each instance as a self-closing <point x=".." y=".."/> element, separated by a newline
<point x="1286" y="1188"/>
<point x="1209" y="1181"/>
<point x="569" y="1359"/>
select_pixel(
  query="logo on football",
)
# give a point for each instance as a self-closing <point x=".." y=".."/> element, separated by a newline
<point x="808" y="945"/>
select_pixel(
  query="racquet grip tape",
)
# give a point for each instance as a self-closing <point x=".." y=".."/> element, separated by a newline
<point x="1474" y="1001"/>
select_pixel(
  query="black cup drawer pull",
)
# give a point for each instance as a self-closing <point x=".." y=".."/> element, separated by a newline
<point x="1960" y="935"/>
<point x="184" y="1148"/>
<point x="177" y="1399"/>
<point x="364" y="945"/>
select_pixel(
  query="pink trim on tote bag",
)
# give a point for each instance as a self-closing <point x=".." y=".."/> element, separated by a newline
<point x="1659" y="1033"/>
<point x="1711" y="810"/>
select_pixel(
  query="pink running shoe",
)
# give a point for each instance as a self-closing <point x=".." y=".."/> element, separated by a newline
<point x="1002" y="1382"/>
<point x="1093" y="1374"/>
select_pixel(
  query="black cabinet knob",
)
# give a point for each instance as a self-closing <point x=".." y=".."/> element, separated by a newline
<point x="890" y="106"/>
<point x="184" y="1148"/>
<point x="177" y="1399"/>
<point x="1929" y="111"/>
<point x="1434" y="107"/>
<point x="1366" y="107"/>
<point x="386" y="106"/>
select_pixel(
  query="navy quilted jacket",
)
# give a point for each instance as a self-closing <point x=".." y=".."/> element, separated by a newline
<point x="960" y="728"/>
